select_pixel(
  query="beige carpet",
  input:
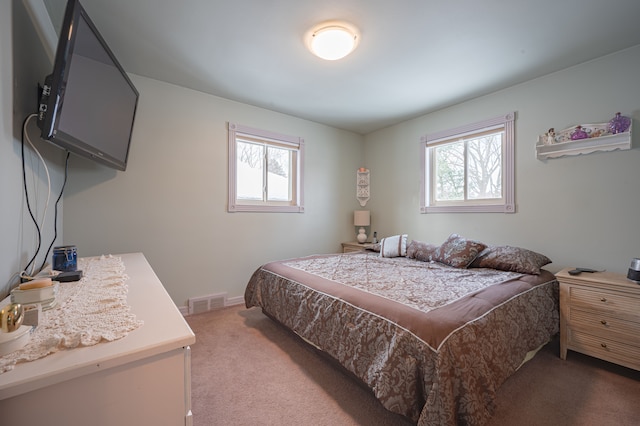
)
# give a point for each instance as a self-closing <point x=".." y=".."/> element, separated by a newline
<point x="247" y="370"/>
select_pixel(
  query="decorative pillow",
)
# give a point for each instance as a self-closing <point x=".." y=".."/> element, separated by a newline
<point x="513" y="259"/>
<point x="457" y="251"/>
<point x="395" y="246"/>
<point x="421" y="251"/>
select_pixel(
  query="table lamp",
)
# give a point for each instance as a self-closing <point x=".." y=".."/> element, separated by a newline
<point x="361" y="218"/>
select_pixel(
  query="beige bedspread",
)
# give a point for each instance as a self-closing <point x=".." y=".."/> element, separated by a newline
<point x="433" y="343"/>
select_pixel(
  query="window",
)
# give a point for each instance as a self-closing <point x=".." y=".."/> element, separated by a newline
<point x="469" y="169"/>
<point x="265" y="171"/>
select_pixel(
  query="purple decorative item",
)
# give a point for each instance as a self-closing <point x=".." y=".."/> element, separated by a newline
<point x="578" y="133"/>
<point x="619" y="124"/>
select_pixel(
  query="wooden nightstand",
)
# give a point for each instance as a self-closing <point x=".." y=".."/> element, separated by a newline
<point x="600" y="316"/>
<point x="353" y="246"/>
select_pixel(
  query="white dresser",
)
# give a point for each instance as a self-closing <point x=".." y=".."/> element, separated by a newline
<point x="141" y="379"/>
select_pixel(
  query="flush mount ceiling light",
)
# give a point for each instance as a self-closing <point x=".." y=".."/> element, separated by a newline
<point x="332" y="40"/>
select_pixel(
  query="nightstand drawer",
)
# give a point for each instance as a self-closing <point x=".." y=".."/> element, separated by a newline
<point x="620" y="305"/>
<point x="351" y="247"/>
<point x="609" y="350"/>
<point x="604" y="324"/>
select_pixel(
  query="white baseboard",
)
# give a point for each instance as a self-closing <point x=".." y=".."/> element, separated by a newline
<point x="232" y="301"/>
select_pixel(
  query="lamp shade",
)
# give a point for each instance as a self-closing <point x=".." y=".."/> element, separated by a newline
<point x="361" y="218"/>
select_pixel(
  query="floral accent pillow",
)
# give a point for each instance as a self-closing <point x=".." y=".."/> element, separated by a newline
<point x="395" y="246"/>
<point x="421" y="251"/>
<point x="513" y="259"/>
<point x="457" y="251"/>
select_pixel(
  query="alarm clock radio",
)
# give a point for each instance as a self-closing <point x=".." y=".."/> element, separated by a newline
<point x="634" y="270"/>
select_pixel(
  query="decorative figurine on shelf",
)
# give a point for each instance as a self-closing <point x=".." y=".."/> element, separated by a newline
<point x="550" y="137"/>
<point x="619" y="124"/>
<point x="579" y="133"/>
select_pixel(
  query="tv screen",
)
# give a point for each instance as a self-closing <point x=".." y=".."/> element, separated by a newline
<point x="88" y="103"/>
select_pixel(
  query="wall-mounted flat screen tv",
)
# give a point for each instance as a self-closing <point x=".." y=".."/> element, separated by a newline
<point x="88" y="104"/>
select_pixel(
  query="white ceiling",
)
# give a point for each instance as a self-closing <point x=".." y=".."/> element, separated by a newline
<point x="414" y="57"/>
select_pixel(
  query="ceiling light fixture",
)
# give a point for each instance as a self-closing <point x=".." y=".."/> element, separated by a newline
<point x="332" y="40"/>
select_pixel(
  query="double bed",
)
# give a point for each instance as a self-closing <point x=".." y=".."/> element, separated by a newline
<point x="433" y="331"/>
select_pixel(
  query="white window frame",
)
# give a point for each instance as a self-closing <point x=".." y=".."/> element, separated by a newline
<point x="237" y="132"/>
<point x="504" y="205"/>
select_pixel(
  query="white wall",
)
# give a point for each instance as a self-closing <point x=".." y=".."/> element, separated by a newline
<point x="171" y="201"/>
<point x="8" y="169"/>
<point x="23" y="63"/>
<point x="579" y="211"/>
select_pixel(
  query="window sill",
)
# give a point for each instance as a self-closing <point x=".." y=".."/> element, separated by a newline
<point x="264" y="209"/>
<point x="487" y="208"/>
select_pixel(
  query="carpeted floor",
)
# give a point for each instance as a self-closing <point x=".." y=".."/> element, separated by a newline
<point x="247" y="370"/>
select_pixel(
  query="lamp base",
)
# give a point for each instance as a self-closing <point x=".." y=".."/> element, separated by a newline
<point x="361" y="237"/>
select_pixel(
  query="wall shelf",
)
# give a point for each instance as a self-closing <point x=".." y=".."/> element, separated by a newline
<point x="608" y="142"/>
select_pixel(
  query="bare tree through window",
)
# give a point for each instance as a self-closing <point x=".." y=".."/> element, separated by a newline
<point x="484" y="167"/>
<point x="469" y="168"/>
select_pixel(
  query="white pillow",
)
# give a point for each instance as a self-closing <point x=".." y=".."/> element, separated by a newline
<point x="394" y="246"/>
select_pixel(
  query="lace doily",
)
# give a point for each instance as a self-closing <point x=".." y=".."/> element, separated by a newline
<point x="86" y="312"/>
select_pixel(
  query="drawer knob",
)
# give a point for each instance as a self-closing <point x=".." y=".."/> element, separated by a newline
<point x="604" y="299"/>
<point x="603" y="322"/>
<point x="604" y="345"/>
